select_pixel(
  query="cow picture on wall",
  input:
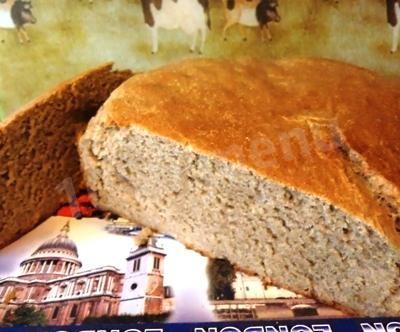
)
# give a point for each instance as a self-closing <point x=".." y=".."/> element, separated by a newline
<point x="393" y="13"/>
<point x="16" y="14"/>
<point x="191" y="16"/>
<point x="251" y="13"/>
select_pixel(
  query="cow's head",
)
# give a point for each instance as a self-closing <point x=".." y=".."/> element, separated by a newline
<point x="272" y="11"/>
<point x="26" y="12"/>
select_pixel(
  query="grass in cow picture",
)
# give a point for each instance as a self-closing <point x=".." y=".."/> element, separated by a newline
<point x="71" y="36"/>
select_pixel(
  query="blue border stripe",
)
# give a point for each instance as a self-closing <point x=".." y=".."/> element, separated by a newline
<point x="315" y="325"/>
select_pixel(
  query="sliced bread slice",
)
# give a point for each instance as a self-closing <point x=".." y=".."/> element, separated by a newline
<point x="39" y="162"/>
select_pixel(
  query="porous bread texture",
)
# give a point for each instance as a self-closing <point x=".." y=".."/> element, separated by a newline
<point x="296" y="240"/>
<point x="203" y="150"/>
<point x="39" y="162"/>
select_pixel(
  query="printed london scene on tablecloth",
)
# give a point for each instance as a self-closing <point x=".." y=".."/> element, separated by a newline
<point x="43" y="42"/>
<point x="101" y="268"/>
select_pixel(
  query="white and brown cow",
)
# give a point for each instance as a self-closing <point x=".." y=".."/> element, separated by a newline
<point x="15" y="14"/>
<point x="251" y="13"/>
<point x="191" y="16"/>
<point x="393" y="14"/>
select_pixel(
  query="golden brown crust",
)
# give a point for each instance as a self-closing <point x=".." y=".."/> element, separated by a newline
<point x="294" y="121"/>
<point x="39" y="161"/>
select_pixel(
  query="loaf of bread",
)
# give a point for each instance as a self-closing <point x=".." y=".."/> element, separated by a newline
<point x="289" y="169"/>
<point x="39" y="161"/>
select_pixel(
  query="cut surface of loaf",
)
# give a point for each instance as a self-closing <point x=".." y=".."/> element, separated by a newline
<point x="39" y="162"/>
<point x="289" y="169"/>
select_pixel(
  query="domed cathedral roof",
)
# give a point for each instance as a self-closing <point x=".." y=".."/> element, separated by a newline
<point x="54" y="258"/>
<point x="60" y="242"/>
